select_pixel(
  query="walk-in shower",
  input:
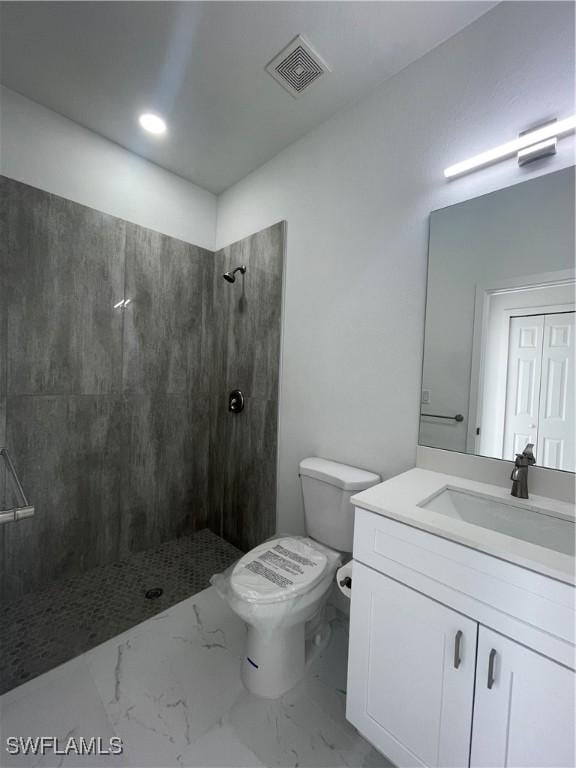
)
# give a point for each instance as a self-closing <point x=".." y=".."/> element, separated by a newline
<point x="114" y="426"/>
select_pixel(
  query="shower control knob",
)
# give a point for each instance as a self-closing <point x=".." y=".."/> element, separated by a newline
<point x="235" y="401"/>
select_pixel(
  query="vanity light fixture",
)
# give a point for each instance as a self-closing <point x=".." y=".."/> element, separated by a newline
<point x="152" y="123"/>
<point x="528" y="146"/>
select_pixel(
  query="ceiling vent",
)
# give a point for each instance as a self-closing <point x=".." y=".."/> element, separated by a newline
<point x="297" y="66"/>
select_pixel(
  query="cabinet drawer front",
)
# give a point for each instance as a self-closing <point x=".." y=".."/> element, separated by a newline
<point x="511" y="599"/>
<point x="410" y="673"/>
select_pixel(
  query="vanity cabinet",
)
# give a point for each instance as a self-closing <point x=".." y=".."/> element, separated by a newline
<point x="420" y="674"/>
<point x="456" y="658"/>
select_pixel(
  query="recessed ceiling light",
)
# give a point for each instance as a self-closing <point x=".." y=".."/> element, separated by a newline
<point x="152" y="123"/>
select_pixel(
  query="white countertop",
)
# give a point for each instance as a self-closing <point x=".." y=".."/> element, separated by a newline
<point x="399" y="498"/>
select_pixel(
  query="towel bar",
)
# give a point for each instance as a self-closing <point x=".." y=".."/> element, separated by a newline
<point x="25" y="509"/>
<point x="458" y="416"/>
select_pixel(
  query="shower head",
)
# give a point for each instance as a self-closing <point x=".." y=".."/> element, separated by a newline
<point x="231" y="276"/>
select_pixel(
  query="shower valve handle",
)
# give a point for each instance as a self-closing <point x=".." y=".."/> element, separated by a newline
<point x="236" y="401"/>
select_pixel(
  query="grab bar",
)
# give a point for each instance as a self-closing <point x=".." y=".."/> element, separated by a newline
<point x="25" y="509"/>
<point x="458" y="416"/>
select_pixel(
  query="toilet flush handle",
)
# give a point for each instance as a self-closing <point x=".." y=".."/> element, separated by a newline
<point x="346" y="582"/>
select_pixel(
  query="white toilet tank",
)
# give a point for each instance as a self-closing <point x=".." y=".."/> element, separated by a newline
<point x="327" y="487"/>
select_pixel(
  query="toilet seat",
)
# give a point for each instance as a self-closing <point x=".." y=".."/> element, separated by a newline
<point x="279" y="570"/>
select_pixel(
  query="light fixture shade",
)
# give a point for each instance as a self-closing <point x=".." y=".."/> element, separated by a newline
<point x="549" y="131"/>
<point x="152" y="123"/>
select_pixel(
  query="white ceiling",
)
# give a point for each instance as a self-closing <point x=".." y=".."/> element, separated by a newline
<point x="201" y="65"/>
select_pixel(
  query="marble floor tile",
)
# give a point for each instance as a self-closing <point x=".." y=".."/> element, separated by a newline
<point x="221" y="748"/>
<point x="170" y="689"/>
<point x="169" y="681"/>
<point x="295" y="730"/>
<point x="62" y="703"/>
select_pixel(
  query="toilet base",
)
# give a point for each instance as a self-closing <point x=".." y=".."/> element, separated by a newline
<point x="275" y="663"/>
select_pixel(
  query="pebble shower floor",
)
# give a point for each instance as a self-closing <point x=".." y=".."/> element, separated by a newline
<point x="46" y="628"/>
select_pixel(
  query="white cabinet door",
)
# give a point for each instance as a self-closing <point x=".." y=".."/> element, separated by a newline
<point x="410" y="673"/>
<point x="523" y="707"/>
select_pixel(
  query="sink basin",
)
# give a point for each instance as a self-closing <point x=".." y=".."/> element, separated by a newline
<point x="522" y="522"/>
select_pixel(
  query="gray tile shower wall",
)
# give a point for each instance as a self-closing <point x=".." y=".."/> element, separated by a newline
<point x="165" y="469"/>
<point x="246" y="472"/>
<point x="68" y="453"/>
<point x="106" y="417"/>
<point x="248" y="327"/>
<point x="3" y="359"/>
<point x="165" y="336"/>
<point x="117" y="419"/>
<point x="252" y="312"/>
<point x="63" y="271"/>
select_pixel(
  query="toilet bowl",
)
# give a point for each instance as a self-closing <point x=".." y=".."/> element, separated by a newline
<point x="280" y="587"/>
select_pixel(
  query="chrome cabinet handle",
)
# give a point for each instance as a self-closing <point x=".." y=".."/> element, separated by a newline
<point x="491" y="663"/>
<point x="457" y="643"/>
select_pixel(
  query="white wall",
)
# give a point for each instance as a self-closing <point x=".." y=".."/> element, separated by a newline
<point x="356" y="194"/>
<point x="48" y="151"/>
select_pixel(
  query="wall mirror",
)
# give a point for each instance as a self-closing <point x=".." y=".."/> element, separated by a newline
<point x="499" y="349"/>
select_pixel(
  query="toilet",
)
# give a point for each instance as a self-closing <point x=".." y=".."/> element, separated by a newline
<point x="280" y="587"/>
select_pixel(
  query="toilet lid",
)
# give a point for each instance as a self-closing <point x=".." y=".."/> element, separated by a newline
<point x="278" y="570"/>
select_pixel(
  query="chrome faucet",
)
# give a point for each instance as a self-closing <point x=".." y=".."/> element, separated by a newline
<point x="519" y="474"/>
